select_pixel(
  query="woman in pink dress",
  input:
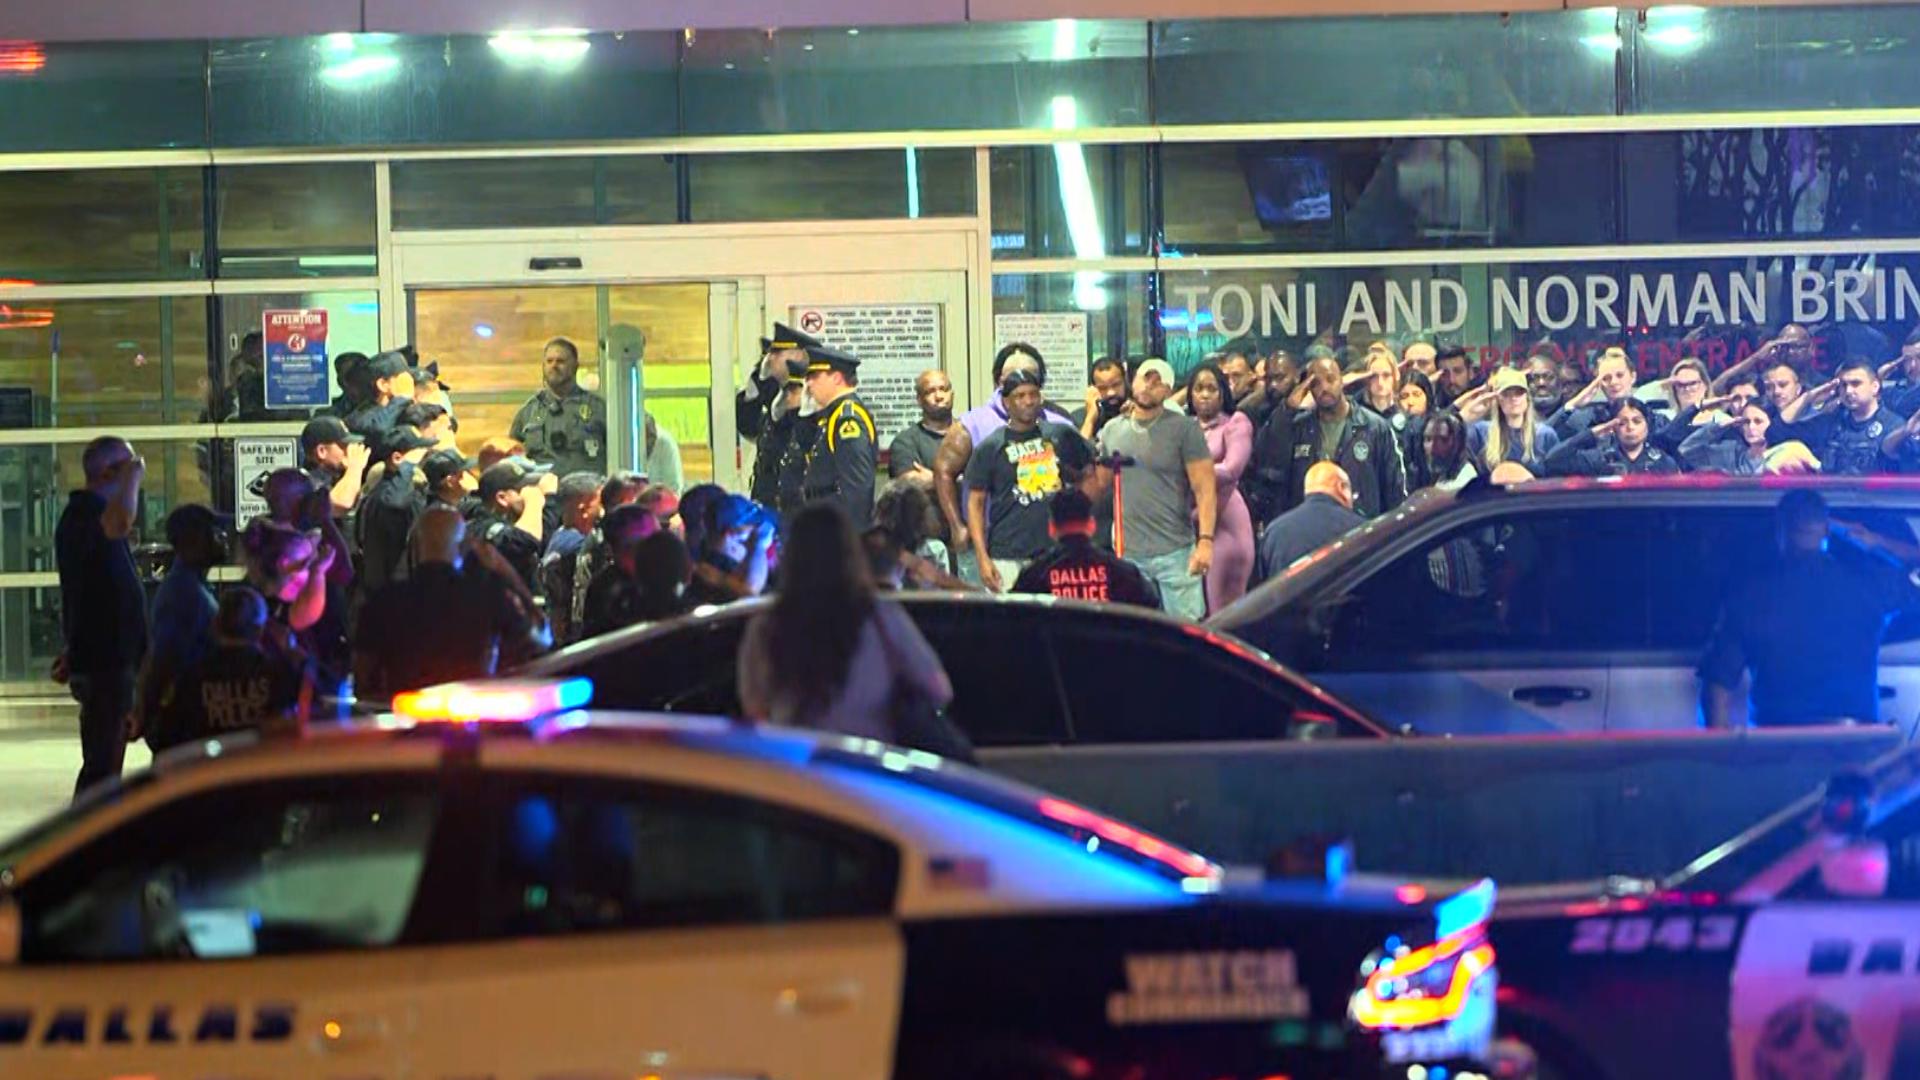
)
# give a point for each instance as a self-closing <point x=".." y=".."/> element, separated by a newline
<point x="1230" y="438"/>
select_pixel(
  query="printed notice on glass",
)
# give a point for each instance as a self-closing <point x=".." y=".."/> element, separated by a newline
<point x="1061" y="338"/>
<point x="255" y="459"/>
<point x="294" y="344"/>
<point x="894" y="343"/>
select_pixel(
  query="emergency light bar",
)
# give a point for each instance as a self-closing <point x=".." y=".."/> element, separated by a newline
<point x="507" y="701"/>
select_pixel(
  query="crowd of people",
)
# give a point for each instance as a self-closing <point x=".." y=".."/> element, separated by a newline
<point x="1173" y="492"/>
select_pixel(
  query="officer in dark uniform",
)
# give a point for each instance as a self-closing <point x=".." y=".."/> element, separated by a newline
<point x="841" y="462"/>
<point x="1621" y="446"/>
<point x="563" y="426"/>
<point x="350" y="371"/>
<point x="1850" y="437"/>
<point x="384" y="405"/>
<point x="759" y="403"/>
<point x="503" y="500"/>
<point x="1356" y="439"/>
<point x="1075" y="569"/>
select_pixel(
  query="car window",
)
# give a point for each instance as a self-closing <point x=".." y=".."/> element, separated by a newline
<point x="1702" y="555"/>
<point x="690" y="668"/>
<point x="254" y="870"/>
<point x="1142" y="681"/>
<point x="1004" y="688"/>
<point x="576" y="855"/>
<point x="1548" y="581"/>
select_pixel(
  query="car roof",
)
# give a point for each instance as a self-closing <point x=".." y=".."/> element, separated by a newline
<point x="570" y="659"/>
<point x="1435" y="504"/>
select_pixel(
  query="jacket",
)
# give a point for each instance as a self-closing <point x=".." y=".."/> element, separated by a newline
<point x="1368" y="449"/>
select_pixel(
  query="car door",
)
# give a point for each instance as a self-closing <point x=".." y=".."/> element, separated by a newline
<point x="622" y="928"/>
<point x="1505" y="624"/>
<point x="1825" y="975"/>
<point x="690" y="666"/>
<point x="1005" y="689"/>
<point x="251" y="929"/>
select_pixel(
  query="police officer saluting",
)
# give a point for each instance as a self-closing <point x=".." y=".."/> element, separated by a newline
<point x="505" y="513"/>
<point x="840" y="464"/>
<point x="385" y="376"/>
<point x="563" y="426"/>
<point x="768" y="408"/>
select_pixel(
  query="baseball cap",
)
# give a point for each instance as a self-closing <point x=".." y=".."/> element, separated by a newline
<point x="189" y="519"/>
<point x="738" y="511"/>
<point x="1507" y="379"/>
<point x="498" y="449"/>
<point x="398" y="440"/>
<point x="322" y="430"/>
<point x="386" y="365"/>
<point x="510" y="475"/>
<point x="442" y="464"/>
<point x="1158" y="367"/>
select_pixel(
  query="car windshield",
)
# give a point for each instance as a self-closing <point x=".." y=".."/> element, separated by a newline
<point x="15" y="847"/>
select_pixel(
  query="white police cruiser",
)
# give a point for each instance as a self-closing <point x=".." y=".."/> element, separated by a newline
<point x="459" y="891"/>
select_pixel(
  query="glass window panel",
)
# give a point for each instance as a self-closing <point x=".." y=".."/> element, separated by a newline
<point x="353" y="325"/>
<point x="296" y="220"/>
<point x="506" y="192"/>
<point x="908" y="183"/>
<point x="35" y="482"/>
<point x="1693" y="59"/>
<point x="104" y="363"/>
<point x="379" y="89"/>
<point x="1661" y="309"/>
<point x="1116" y="307"/>
<point x="1069" y="201"/>
<point x="488" y="343"/>
<point x="1231" y="71"/>
<point x="147" y="95"/>
<point x="677" y="363"/>
<point x="29" y="635"/>
<point x="72" y="225"/>
<point x="1063" y="74"/>
<point x="1390" y="193"/>
<point x="1739" y="184"/>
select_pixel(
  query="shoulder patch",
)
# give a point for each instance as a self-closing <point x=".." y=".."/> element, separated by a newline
<point x="1361" y="450"/>
<point x="849" y="429"/>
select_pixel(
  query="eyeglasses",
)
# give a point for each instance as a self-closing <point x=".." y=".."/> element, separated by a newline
<point x="1691" y="384"/>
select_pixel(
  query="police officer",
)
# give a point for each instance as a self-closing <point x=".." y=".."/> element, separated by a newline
<point x="1621" y="446"/>
<point x="563" y="426"/>
<point x="386" y="377"/>
<point x="350" y="371"/>
<point x="1849" y="440"/>
<point x="840" y="464"/>
<point x="335" y="459"/>
<point x="1075" y="569"/>
<point x="504" y="510"/>
<point x="776" y="439"/>
<point x="1356" y="439"/>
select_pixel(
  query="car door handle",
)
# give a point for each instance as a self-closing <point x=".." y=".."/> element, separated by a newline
<point x="820" y="999"/>
<point x="353" y="1033"/>
<point x="1888" y="693"/>
<point x="1550" y="697"/>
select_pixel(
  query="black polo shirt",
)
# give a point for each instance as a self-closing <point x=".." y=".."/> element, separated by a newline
<point x="103" y="608"/>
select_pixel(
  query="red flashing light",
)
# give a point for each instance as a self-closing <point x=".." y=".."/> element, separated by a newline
<point x="22" y="57"/>
<point x="13" y="318"/>
<point x="1152" y="847"/>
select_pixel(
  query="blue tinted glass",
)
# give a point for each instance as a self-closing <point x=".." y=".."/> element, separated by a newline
<point x="358" y="89"/>
<point x="1773" y="182"/>
<point x="119" y="96"/>
<point x="1066" y="74"/>
<point x="1690" y="59"/>
<point x="1245" y="71"/>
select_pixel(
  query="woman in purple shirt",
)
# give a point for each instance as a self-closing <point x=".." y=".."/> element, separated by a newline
<point x="1230" y="438"/>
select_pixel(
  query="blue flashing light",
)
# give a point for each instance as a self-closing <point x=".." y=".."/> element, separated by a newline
<point x="482" y="330"/>
<point x="1464" y="910"/>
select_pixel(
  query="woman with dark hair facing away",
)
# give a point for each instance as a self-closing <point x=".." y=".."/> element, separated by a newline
<point x="830" y="653"/>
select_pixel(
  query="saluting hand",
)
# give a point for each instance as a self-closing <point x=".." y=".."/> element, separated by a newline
<point x="1602" y="430"/>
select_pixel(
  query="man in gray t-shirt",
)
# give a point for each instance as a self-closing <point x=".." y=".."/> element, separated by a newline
<point x="1165" y="483"/>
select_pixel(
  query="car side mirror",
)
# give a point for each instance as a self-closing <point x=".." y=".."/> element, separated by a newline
<point x="1858" y="870"/>
<point x="10" y="931"/>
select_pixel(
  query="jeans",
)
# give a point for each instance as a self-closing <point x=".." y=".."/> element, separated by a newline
<point x="1181" y="593"/>
<point x="105" y="700"/>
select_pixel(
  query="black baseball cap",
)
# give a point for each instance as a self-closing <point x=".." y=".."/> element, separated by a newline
<point x="322" y="430"/>
<point x="386" y="365"/>
<point x="443" y="464"/>
<point x="189" y="519"/>
<point x="510" y="475"/>
<point x="399" y="439"/>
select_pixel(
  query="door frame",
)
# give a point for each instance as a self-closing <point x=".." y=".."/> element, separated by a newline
<point x="736" y="258"/>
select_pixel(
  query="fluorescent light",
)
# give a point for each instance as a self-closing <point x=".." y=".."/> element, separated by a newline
<point x="360" y="69"/>
<point x="1678" y="38"/>
<point x="1076" y="201"/>
<point x="1604" y="44"/>
<point x="1065" y="35"/>
<point x="913" y="183"/>
<point x="563" y="48"/>
<point x="337" y="262"/>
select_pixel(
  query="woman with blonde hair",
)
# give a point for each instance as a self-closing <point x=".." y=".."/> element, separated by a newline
<point x="1513" y="433"/>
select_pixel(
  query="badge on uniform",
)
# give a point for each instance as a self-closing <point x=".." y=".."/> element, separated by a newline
<point x="1360" y="451"/>
<point x="586" y="411"/>
<point x="591" y="447"/>
<point x="1302" y="450"/>
<point x="1873" y="430"/>
<point x="850" y="429"/>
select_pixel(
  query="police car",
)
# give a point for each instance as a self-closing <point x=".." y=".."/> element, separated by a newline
<point x="1791" y="951"/>
<point x="496" y="882"/>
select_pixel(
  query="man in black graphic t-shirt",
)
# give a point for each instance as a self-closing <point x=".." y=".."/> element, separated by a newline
<point x="1013" y="477"/>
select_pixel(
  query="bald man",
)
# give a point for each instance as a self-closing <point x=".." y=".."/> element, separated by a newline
<point x="447" y="621"/>
<point x="1324" y="514"/>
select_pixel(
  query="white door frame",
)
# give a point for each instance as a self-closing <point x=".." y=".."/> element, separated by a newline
<point x="742" y="255"/>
